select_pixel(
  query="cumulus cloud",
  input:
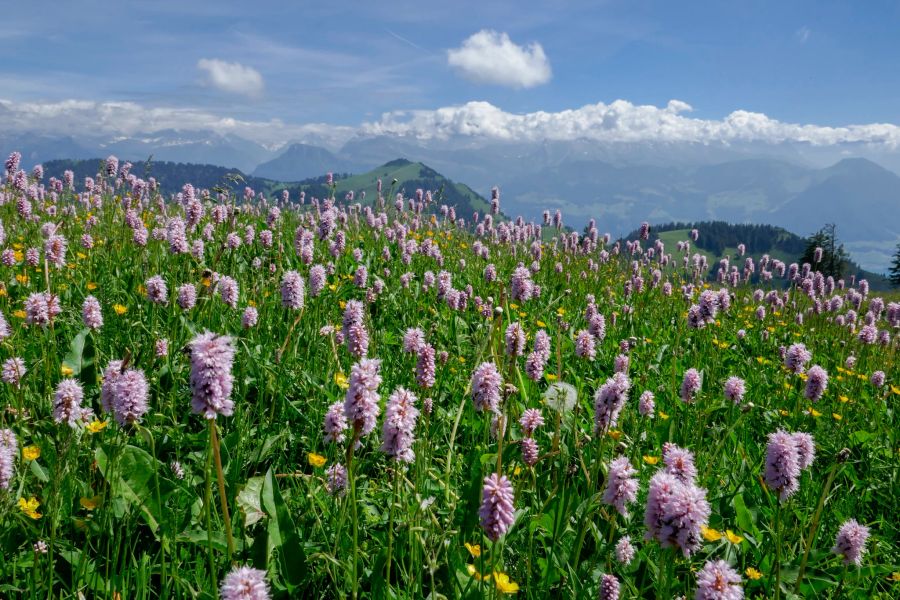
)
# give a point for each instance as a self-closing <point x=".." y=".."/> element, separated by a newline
<point x="233" y="78"/>
<point x="491" y="57"/>
<point x="620" y="121"/>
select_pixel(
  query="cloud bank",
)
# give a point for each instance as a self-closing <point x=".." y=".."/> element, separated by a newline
<point x="233" y="78"/>
<point x="618" y="121"/>
<point x="491" y="57"/>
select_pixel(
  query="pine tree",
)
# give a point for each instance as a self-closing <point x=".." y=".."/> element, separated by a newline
<point x="894" y="272"/>
<point x="834" y="258"/>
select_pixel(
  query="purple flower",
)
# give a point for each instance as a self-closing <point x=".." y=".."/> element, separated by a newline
<point x="336" y="479"/>
<point x="91" y="314"/>
<point x="515" y="339"/>
<point x="130" y="397"/>
<point x="250" y="317"/>
<point x="400" y="417"/>
<point x="647" y="404"/>
<point x="13" y="371"/>
<point x="718" y="581"/>
<point x="485" y="384"/>
<point x="67" y="402"/>
<point x="584" y="345"/>
<point x="9" y="450"/>
<point x="851" y="542"/>
<point x="212" y="357"/>
<point x="691" y="385"/>
<point x="624" y="551"/>
<point x="816" y="383"/>
<point x="609" y="401"/>
<point x="425" y="367"/>
<point x="361" y="400"/>
<point x="782" y="464"/>
<point x="735" y="388"/>
<point x="497" y="511"/>
<point x="335" y="423"/>
<point x="796" y="358"/>
<point x="530" y="420"/>
<point x="245" y="583"/>
<point x="187" y="296"/>
<point x="675" y="512"/>
<point x="293" y="290"/>
<point x="609" y="587"/>
<point x="621" y="485"/>
<point x="157" y="291"/>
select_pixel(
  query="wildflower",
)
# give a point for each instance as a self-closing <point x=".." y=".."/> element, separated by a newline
<point x="625" y="551"/>
<point x="13" y="371"/>
<point x="67" y="402"/>
<point x="782" y="465"/>
<point x="816" y="383"/>
<point x="211" y="381"/>
<point x="399" y="422"/>
<point x="609" y="587"/>
<point x="336" y="479"/>
<point x="735" y="388"/>
<point x="245" y="583"/>
<point x="485" y="384"/>
<point x="497" y="511"/>
<point x="91" y="313"/>
<point x="621" y="485"/>
<point x="293" y="290"/>
<point x="691" y="385"/>
<point x="30" y="507"/>
<point x="361" y="400"/>
<point x="851" y="542"/>
<point x="335" y="423"/>
<point x="718" y="581"/>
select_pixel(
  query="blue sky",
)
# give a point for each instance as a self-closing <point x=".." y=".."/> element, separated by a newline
<point x="825" y="63"/>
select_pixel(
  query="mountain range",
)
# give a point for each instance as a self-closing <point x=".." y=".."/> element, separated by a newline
<point x="796" y="186"/>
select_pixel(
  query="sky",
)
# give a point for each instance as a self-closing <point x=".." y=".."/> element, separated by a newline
<point x="270" y="70"/>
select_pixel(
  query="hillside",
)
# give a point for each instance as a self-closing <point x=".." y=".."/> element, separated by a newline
<point x="410" y="176"/>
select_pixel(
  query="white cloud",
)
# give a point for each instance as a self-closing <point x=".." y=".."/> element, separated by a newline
<point x="491" y="57"/>
<point x="618" y="121"/>
<point x="621" y="121"/>
<point x="234" y="78"/>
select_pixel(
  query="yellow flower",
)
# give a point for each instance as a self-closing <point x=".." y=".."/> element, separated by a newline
<point x="837" y="417"/>
<point x="31" y="453"/>
<point x="341" y="380"/>
<point x="651" y="460"/>
<point x="91" y="286"/>
<point x="474" y="549"/>
<point x="814" y="412"/>
<point x="120" y="309"/>
<point x="90" y="503"/>
<point x="29" y="507"/>
<point x="316" y="460"/>
<point x="96" y="426"/>
<point x="663" y="416"/>
<point x="66" y="370"/>
<point x="733" y="537"/>
<point x="474" y="573"/>
<point x="709" y="534"/>
<point x="540" y="323"/>
<point x="501" y="580"/>
<point x="752" y="573"/>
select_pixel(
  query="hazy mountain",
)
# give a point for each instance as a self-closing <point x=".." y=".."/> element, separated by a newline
<point x="302" y="161"/>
